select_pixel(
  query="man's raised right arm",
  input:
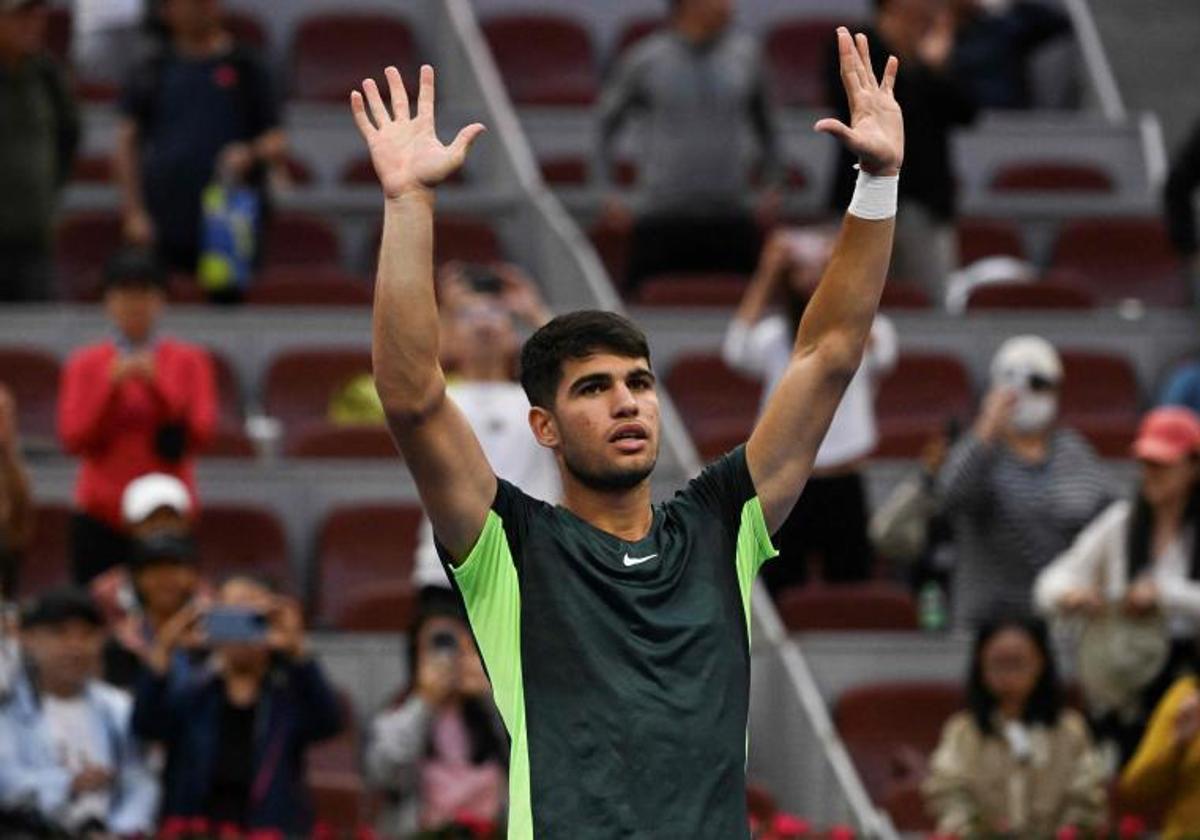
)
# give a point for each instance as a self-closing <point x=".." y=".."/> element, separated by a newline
<point x="455" y="481"/>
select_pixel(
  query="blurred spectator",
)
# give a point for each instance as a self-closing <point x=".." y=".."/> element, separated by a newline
<point x="1140" y="559"/>
<point x="16" y="503"/>
<point x="107" y="37"/>
<point x="201" y="108"/>
<point x="66" y="750"/>
<point x="440" y="754"/>
<point x="1164" y="775"/>
<point x="830" y="518"/>
<point x="236" y="730"/>
<point x="993" y="43"/>
<point x="1017" y="487"/>
<point x="1182" y="183"/>
<point x="39" y="132"/>
<point x="700" y="89"/>
<point x="479" y="307"/>
<point x="921" y="34"/>
<point x="1016" y="762"/>
<point x="1183" y="388"/>
<point x="139" y="402"/>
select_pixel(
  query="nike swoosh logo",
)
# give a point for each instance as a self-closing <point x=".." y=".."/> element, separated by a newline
<point x="634" y="561"/>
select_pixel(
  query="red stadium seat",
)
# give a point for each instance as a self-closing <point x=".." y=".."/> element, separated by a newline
<point x="874" y="605"/>
<point x="1100" y="399"/>
<point x="294" y="238"/>
<point x="561" y="70"/>
<point x="245" y="28"/>
<point x="303" y="286"/>
<point x="797" y="52"/>
<point x="979" y="238"/>
<point x="1043" y="295"/>
<point x="364" y="568"/>
<point x="1051" y="176"/>
<point x="229" y="389"/>
<point x="92" y="169"/>
<point x="86" y="239"/>
<point x="467" y="239"/>
<point x="322" y="439"/>
<point x="692" y="290"/>
<point x="300" y="383"/>
<point x="888" y="727"/>
<point x="230" y="442"/>
<point x="332" y="53"/>
<point x="917" y="398"/>
<point x="612" y="246"/>
<point x="32" y="376"/>
<point x="635" y="31"/>
<point x="564" y="171"/>
<point x="339" y="802"/>
<point x="243" y="538"/>
<point x="717" y="404"/>
<point x="906" y="806"/>
<point x="898" y="294"/>
<point x="298" y="171"/>
<point x="46" y="563"/>
<point x="1122" y="258"/>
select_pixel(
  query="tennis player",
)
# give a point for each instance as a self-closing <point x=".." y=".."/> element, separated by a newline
<point x="615" y="632"/>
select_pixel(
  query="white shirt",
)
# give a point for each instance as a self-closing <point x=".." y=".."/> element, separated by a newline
<point x="97" y="15"/>
<point x="1098" y="559"/>
<point x="76" y="739"/>
<point x="765" y="349"/>
<point x="499" y="415"/>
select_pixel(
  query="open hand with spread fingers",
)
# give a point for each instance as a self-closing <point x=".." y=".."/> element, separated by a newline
<point x="405" y="150"/>
<point x="876" y="130"/>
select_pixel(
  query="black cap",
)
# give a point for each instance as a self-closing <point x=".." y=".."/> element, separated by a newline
<point x="178" y="549"/>
<point x="134" y="268"/>
<point x="60" y="605"/>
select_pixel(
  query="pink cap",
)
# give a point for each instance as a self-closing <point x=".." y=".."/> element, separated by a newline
<point x="1168" y="435"/>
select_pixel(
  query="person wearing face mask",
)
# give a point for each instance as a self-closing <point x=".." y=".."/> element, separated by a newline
<point x="1141" y="558"/>
<point x="1017" y="486"/>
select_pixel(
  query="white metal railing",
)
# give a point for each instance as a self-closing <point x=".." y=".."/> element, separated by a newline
<point x="1104" y="82"/>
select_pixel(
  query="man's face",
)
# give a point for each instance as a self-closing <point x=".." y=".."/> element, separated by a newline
<point x="66" y="655"/>
<point x="604" y="425"/>
<point x="189" y="17"/>
<point x="23" y="32"/>
<point x="481" y="328"/>
<point x="711" y="17"/>
<point x="162" y="520"/>
<point x="165" y="587"/>
<point x="134" y="310"/>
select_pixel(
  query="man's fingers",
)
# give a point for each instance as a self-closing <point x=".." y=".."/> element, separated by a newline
<point x="835" y="127"/>
<point x="864" y="55"/>
<point x="379" y="111"/>
<point x="359" y="109"/>
<point x="398" y="93"/>
<point x="849" y="63"/>
<point x="889" y="74"/>
<point x="462" y="143"/>
<point x="427" y="94"/>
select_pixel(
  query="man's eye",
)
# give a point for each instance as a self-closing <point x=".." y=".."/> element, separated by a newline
<point x="591" y="388"/>
<point x="640" y="384"/>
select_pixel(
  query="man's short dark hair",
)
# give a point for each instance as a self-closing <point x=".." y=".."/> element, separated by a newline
<point x="575" y="335"/>
<point x="134" y="268"/>
<point x="60" y="605"/>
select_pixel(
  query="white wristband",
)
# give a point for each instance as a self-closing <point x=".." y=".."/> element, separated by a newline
<point x="874" y="196"/>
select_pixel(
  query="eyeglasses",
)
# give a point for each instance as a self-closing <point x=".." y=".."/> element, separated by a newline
<point x="1037" y="382"/>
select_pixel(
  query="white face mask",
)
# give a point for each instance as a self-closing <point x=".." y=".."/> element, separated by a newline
<point x="1034" y="412"/>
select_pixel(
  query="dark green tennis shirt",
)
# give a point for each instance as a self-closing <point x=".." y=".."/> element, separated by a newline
<point x="622" y="670"/>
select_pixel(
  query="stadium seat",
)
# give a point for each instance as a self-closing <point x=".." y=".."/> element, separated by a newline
<point x="229" y="390"/>
<point x="338" y="802"/>
<point x="979" y="238"/>
<point x="86" y="240"/>
<point x="612" y="246"/>
<point x="230" y="442"/>
<point x="46" y="562"/>
<point x="465" y="238"/>
<point x="32" y="375"/>
<point x="906" y="806"/>
<point x="1025" y="296"/>
<point x="322" y="439"/>
<point x="1100" y="399"/>
<point x="875" y="605"/>
<point x="1121" y="258"/>
<point x="692" y="290"/>
<point x="717" y="404"/>
<point x="917" y="399"/>
<point x="92" y="169"/>
<point x="796" y="54"/>
<point x="243" y="538"/>
<point x="364" y="568"/>
<point x="295" y="238"/>
<point x="890" y="729"/>
<point x="1051" y="176"/>
<point x="898" y="294"/>
<point x="300" y="383"/>
<point x="634" y="31"/>
<point x="332" y="53"/>
<point x="245" y="28"/>
<point x="560" y="71"/>
<point x="308" y="286"/>
<point x="298" y="171"/>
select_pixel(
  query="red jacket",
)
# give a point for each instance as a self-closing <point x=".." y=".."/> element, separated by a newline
<point x="112" y="427"/>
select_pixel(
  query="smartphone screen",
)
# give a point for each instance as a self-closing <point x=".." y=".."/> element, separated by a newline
<point x="235" y="624"/>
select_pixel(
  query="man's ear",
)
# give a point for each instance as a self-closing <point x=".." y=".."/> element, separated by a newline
<point x="544" y="427"/>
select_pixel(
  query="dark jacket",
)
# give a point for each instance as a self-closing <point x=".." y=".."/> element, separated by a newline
<point x="1182" y="183"/>
<point x="183" y="710"/>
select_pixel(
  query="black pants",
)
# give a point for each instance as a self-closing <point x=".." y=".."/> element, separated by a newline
<point x="95" y="548"/>
<point x="829" y="523"/>
<point x="673" y="244"/>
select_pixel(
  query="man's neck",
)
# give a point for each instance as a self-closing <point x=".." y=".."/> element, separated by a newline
<point x="692" y="30"/>
<point x="626" y="514"/>
<point x="202" y="44"/>
<point x="62" y="692"/>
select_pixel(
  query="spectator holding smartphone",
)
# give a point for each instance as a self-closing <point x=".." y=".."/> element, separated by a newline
<point x="830" y="518"/>
<point x="235" y="729"/>
<point x="439" y="755"/>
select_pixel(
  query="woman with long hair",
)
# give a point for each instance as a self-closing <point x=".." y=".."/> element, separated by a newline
<point x="1016" y="760"/>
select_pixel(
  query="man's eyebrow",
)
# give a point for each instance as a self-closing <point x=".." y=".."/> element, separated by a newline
<point x="589" y="379"/>
<point x="641" y="371"/>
